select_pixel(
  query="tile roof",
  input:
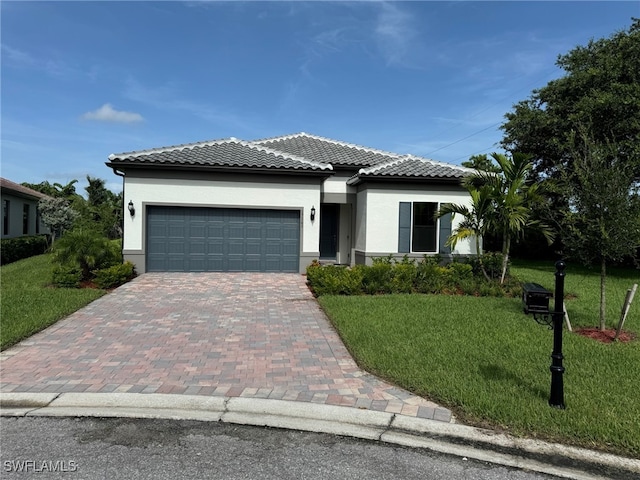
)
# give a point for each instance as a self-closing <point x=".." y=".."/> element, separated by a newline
<point x="411" y="167"/>
<point x="227" y="153"/>
<point x="300" y="152"/>
<point x="325" y="150"/>
<point x="20" y="189"/>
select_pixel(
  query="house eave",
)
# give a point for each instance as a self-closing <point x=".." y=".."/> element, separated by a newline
<point x="124" y="167"/>
<point x="360" y="179"/>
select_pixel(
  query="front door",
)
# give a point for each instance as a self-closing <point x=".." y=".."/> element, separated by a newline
<point x="329" y="231"/>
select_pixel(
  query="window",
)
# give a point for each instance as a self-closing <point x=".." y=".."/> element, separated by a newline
<point x="5" y="217"/>
<point x="419" y="231"/>
<point x="423" y="238"/>
<point x="25" y="218"/>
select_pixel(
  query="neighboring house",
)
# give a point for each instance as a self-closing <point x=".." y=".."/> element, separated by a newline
<point x="276" y="204"/>
<point x="20" y="214"/>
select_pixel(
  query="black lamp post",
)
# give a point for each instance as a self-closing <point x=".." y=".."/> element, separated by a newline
<point x="556" y="399"/>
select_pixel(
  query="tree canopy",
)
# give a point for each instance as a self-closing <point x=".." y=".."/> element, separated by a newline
<point x="600" y="91"/>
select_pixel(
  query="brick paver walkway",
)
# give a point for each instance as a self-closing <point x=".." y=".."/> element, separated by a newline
<point x="221" y="334"/>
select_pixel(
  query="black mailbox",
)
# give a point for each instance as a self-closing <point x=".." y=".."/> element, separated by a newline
<point x="535" y="298"/>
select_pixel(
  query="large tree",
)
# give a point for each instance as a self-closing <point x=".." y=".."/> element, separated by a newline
<point x="583" y="131"/>
<point x="602" y="224"/>
<point x="601" y="89"/>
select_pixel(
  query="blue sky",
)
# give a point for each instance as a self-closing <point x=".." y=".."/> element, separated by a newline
<point x="82" y="80"/>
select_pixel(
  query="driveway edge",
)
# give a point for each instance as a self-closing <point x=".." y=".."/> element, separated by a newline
<point x="453" y="439"/>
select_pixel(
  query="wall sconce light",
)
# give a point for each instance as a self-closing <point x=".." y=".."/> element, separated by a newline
<point x="132" y="209"/>
<point x="313" y="213"/>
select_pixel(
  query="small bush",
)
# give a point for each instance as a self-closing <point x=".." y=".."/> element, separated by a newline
<point x="387" y="275"/>
<point x="87" y="250"/>
<point x="14" y="249"/>
<point x="403" y="278"/>
<point x="115" y="275"/>
<point x="492" y="262"/>
<point x="429" y="277"/>
<point x="67" y="277"/>
<point x="377" y="278"/>
<point x="458" y="272"/>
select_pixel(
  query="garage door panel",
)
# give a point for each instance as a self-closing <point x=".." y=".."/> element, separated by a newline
<point x="222" y="239"/>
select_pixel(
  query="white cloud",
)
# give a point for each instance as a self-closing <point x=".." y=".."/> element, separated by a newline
<point x="17" y="56"/>
<point x="395" y="34"/>
<point x="107" y="113"/>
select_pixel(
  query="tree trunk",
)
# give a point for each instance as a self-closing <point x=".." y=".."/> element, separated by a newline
<point x="506" y="245"/>
<point x="603" y="278"/>
<point x="479" y="253"/>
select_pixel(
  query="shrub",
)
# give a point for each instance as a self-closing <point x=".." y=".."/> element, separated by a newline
<point x="115" y="275"/>
<point x="457" y="272"/>
<point x="492" y="262"/>
<point x="67" y="277"/>
<point x="14" y="249"/>
<point x="377" y="278"/>
<point x="429" y="277"/>
<point x="86" y="249"/>
<point x="389" y="276"/>
<point x="403" y="278"/>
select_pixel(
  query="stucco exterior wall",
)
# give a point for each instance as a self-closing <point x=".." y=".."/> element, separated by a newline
<point x="212" y="192"/>
<point x="378" y="230"/>
<point x="16" y="206"/>
<point x="337" y="183"/>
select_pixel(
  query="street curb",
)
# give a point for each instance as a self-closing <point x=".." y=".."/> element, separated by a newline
<point x="454" y="439"/>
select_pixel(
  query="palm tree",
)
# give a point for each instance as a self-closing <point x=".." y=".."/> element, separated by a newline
<point x="501" y="202"/>
<point x="474" y="220"/>
<point x="512" y="196"/>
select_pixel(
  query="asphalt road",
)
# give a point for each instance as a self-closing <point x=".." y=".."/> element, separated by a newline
<point x="115" y="448"/>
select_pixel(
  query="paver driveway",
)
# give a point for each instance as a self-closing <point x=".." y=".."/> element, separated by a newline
<point x="220" y="334"/>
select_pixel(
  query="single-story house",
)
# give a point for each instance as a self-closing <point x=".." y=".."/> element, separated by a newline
<point x="20" y="215"/>
<point x="276" y="204"/>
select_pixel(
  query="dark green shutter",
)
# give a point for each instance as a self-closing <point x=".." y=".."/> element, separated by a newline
<point x="445" y="233"/>
<point x="404" y="228"/>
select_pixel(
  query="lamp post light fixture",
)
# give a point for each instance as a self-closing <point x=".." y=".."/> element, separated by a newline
<point x="132" y="209"/>
<point x="313" y="213"/>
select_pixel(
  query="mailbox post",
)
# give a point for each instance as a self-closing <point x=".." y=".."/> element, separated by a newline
<point x="556" y="398"/>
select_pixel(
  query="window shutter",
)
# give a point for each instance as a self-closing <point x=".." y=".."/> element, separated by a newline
<point x="404" y="228"/>
<point x="445" y="233"/>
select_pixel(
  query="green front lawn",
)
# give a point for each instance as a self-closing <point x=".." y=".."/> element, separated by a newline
<point x="28" y="303"/>
<point x="488" y="362"/>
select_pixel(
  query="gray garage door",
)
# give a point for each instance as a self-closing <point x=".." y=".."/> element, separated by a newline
<point x="181" y="239"/>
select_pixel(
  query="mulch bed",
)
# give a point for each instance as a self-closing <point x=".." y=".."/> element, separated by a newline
<point x="607" y="335"/>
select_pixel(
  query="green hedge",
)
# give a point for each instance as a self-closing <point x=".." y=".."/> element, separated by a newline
<point x="115" y="275"/>
<point x="386" y="275"/>
<point x="14" y="249"/>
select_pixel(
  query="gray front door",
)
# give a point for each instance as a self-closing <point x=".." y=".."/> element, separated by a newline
<point x="329" y="215"/>
<point x="196" y="239"/>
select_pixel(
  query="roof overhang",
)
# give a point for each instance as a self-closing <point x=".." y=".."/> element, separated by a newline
<point x="123" y="167"/>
